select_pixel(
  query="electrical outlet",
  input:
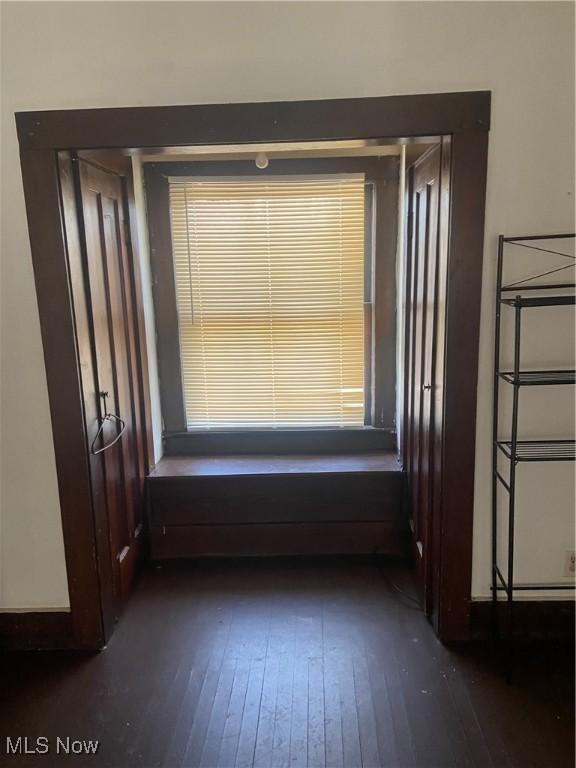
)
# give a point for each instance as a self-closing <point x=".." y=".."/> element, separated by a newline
<point x="570" y="563"/>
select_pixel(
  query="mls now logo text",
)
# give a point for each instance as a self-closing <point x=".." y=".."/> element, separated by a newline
<point x="42" y="745"/>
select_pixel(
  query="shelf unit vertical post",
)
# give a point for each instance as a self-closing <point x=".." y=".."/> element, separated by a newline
<point x="495" y="411"/>
<point x="512" y="476"/>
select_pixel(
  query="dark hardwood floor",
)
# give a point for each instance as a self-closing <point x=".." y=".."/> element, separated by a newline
<point x="287" y="663"/>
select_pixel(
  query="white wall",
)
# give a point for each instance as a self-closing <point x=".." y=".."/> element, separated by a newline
<point x="73" y="55"/>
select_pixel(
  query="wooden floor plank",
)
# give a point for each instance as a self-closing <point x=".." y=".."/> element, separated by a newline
<point x="395" y="741"/>
<point x="299" y="724"/>
<point x="316" y="713"/>
<point x="333" y="717"/>
<point x="220" y="708"/>
<point x="432" y="739"/>
<point x="203" y="689"/>
<point x="267" y="713"/>
<point x="344" y="652"/>
<point x="233" y="718"/>
<point x="365" y="709"/>
<point x="284" y="693"/>
<point x="245" y="755"/>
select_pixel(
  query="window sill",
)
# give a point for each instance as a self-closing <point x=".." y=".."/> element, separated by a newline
<point x="171" y="468"/>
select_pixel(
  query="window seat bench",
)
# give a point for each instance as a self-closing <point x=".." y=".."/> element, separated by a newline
<point x="276" y="505"/>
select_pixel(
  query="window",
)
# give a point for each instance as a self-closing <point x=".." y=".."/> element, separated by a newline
<point x="269" y="284"/>
<point x="275" y="300"/>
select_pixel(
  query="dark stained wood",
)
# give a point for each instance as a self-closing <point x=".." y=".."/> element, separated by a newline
<point x="99" y="215"/>
<point x="72" y="218"/>
<point x="430" y="333"/>
<point x="110" y="289"/>
<point x="463" y="291"/>
<point x="276" y="442"/>
<point x="316" y="463"/>
<point x="121" y="164"/>
<point x="425" y="264"/>
<point x="51" y="273"/>
<point x="36" y="630"/>
<point x="96" y="248"/>
<point x="411" y="276"/>
<point x="388" y="116"/>
<point x="407" y="265"/>
<point x="271" y="538"/>
<point x="385" y="168"/>
<point x="317" y="662"/>
<point x="276" y="505"/>
<point x="435" y="526"/>
<point x="428" y="363"/>
<point x="241" y="499"/>
<point x="533" y="619"/>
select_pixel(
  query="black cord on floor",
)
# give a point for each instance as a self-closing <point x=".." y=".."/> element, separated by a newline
<point x="415" y="602"/>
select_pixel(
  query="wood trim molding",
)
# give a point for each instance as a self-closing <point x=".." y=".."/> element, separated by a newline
<point x="464" y="285"/>
<point x="381" y="117"/>
<point x="434" y="566"/>
<point x="46" y="630"/>
<point x="533" y="619"/>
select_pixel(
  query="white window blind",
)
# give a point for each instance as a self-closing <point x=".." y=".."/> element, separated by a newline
<point x="269" y="285"/>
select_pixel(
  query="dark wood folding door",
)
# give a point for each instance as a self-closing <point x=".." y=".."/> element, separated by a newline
<point x="103" y="286"/>
<point x="426" y="271"/>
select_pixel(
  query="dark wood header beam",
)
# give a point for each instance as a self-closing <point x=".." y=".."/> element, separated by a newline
<point x="134" y="127"/>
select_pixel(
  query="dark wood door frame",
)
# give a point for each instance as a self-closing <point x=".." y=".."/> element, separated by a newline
<point x="464" y="117"/>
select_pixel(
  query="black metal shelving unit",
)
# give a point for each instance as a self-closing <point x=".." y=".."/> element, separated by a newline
<point x="520" y="296"/>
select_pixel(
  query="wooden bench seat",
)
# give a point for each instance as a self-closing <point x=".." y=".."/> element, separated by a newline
<point x="281" y="504"/>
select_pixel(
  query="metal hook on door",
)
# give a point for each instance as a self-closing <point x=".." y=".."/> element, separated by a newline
<point x="107" y="417"/>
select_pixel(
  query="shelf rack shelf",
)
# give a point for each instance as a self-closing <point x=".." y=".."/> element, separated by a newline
<point x="538" y="450"/>
<point x="538" y="378"/>
<point x="514" y="450"/>
<point x="539" y="301"/>
<point x="526" y="587"/>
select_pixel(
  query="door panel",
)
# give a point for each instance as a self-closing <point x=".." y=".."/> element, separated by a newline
<point x="421" y="252"/>
<point x="414" y="214"/>
<point x="422" y="302"/>
<point x="86" y="361"/>
<point x="111" y="306"/>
